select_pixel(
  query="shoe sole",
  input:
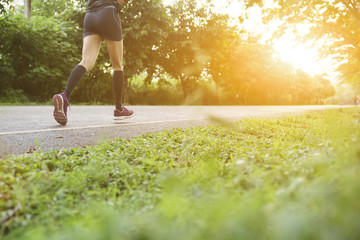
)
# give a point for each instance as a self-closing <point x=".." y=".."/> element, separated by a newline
<point x="59" y="113"/>
<point x="122" y="117"/>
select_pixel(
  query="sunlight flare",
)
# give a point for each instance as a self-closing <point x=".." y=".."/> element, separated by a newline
<point x="301" y="55"/>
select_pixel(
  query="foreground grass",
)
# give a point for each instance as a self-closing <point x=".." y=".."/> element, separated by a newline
<point x="290" y="178"/>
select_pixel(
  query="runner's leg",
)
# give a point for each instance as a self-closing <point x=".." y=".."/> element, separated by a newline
<point x="90" y="51"/>
<point x="115" y="49"/>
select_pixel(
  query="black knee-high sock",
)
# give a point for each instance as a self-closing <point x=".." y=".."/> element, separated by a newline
<point x="74" y="78"/>
<point x="118" y="87"/>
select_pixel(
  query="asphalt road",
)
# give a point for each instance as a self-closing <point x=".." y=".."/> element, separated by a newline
<point x="22" y="126"/>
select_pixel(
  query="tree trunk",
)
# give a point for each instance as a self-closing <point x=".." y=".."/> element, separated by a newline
<point x="217" y="89"/>
<point x="27" y="8"/>
<point x="184" y="86"/>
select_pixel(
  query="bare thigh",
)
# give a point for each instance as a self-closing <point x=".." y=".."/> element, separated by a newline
<point x="115" y="49"/>
<point x="90" y="50"/>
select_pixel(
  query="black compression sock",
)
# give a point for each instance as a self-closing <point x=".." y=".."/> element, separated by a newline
<point x="118" y="87"/>
<point x="74" y="78"/>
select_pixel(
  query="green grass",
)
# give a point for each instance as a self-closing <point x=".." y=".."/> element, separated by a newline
<point x="290" y="178"/>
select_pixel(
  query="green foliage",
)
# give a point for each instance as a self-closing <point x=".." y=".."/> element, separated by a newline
<point x="146" y="25"/>
<point x="183" y="56"/>
<point x="3" y="4"/>
<point x="32" y="53"/>
<point x="161" y="91"/>
<point x="344" y="95"/>
<point x="289" y="178"/>
<point x="13" y="96"/>
<point x="64" y="9"/>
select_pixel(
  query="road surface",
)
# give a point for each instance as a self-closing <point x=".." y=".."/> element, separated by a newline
<point x="24" y="129"/>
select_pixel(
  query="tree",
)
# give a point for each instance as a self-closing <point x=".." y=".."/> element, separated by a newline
<point x="3" y="4"/>
<point x="146" y="26"/>
<point x="182" y="56"/>
<point x="32" y="54"/>
<point x="335" y="22"/>
<point x="218" y="39"/>
<point x="63" y="9"/>
<point x="27" y="8"/>
<point x="323" y="88"/>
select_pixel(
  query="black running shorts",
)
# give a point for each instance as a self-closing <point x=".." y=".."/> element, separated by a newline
<point x="104" y="22"/>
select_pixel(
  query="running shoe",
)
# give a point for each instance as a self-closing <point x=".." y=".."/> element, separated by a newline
<point x="124" y="114"/>
<point x="61" y="104"/>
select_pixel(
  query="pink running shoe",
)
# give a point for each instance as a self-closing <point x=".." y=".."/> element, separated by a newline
<point x="61" y="104"/>
<point x="124" y="114"/>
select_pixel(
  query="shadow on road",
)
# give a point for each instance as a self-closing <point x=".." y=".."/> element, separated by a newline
<point x="121" y="123"/>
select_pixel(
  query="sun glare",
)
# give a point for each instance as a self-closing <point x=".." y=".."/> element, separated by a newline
<point x="301" y="55"/>
<point x="235" y="9"/>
